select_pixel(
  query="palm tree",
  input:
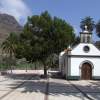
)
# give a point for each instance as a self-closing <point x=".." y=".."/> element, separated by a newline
<point x="89" y="22"/>
<point x="9" y="46"/>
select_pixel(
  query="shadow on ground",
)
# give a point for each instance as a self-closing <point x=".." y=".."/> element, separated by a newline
<point x="55" y="87"/>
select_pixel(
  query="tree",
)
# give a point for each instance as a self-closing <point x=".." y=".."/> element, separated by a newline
<point x="98" y="28"/>
<point x="9" y="46"/>
<point x="43" y="36"/>
<point x="76" y="41"/>
<point x="91" y="25"/>
<point x="52" y="61"/>
<point x="88" y="21"/>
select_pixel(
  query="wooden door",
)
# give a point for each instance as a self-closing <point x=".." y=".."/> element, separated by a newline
<point x="86" y="72"/>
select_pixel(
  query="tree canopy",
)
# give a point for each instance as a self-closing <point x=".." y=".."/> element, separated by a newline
<point x="44" y="35"/>
<point x="10" y="44"/>
<point x="89" y="22"/>
<point x="91" y="25"/>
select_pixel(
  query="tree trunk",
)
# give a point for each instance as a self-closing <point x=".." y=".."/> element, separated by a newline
<point x="45" y="68"/>
<point x="45" y="71"/>
<point x="11" y="69"/>
<point x="11" y="62"/>
<point x="35" y="65"/>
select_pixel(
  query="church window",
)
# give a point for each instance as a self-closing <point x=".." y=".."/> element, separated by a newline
<point x="86" y="48"/>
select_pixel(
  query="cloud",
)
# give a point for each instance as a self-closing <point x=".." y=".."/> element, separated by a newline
<point x="16" y="8"/>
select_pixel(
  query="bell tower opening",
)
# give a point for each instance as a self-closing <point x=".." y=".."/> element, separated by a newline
<point x="86" y="36"/>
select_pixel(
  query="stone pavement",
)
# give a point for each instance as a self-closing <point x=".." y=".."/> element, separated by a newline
<point x="22" y="87"/>
<point x="90" y="88"/>
<point x="32" y="87"/>
<point x="63" y="90"/>
<point x="74" y="90"/>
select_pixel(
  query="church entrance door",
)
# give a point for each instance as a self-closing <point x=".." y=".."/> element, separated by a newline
<point x="86" y="72"/>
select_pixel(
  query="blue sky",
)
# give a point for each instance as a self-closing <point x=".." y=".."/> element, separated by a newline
<point x="70" y="10"/>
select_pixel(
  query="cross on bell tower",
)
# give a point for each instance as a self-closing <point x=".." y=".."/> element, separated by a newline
<point x="86" y="35"/>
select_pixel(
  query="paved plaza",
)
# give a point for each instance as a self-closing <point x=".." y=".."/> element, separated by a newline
<point x="33" y="87"/>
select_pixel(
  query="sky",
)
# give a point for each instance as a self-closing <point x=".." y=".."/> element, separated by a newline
<point x="73" y="11"/>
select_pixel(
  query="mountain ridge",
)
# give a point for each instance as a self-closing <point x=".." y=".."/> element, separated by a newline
<point x="8" y="24"/>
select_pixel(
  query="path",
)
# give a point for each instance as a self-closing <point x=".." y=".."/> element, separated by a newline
<point x="32" y="87"/>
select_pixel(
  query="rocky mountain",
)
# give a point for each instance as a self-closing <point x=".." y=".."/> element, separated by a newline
<point x="8" y="24"/>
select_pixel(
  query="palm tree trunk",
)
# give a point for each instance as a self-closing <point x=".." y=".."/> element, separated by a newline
<point x="11" y="58"/>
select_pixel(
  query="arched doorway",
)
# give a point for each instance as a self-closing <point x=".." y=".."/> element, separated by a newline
<point x="86" y="71"/>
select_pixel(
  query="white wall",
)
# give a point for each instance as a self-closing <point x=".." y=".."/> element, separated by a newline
<point x="62" y="63"/>
<point x="78" y="50"/>
<point x="75" y="63"/>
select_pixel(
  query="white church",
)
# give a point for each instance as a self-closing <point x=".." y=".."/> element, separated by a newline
<point x="81" y="62"/>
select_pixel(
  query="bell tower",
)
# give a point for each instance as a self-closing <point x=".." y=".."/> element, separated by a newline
<point x="86" y="36"/>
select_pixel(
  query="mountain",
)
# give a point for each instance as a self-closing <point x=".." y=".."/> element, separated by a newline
<point x="8" y="24"/>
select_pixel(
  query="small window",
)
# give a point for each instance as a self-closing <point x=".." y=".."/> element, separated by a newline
<point x="86" y="49"/>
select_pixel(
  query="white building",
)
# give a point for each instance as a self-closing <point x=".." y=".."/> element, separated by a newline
<point x="81" y="62"/>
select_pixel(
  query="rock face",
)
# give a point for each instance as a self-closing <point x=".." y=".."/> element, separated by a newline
<point x="8" y="24"/>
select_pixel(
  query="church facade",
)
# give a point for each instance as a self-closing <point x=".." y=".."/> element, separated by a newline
<point x="81" y="62"/>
